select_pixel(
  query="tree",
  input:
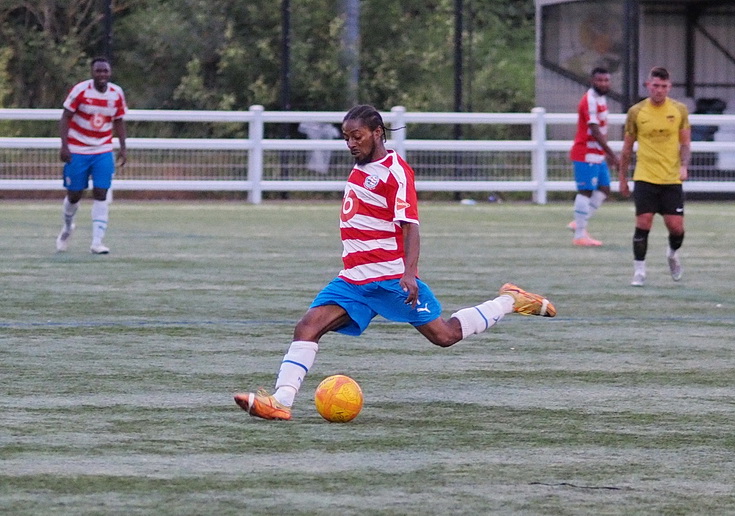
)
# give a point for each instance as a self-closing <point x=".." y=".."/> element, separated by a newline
<point x="225" y="54"/>
<point x="48" y="42"/>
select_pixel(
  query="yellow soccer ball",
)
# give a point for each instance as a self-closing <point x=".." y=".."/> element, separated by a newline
<point x="338" y="399"/>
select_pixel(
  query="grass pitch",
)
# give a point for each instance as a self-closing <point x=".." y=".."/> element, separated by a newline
<point x="117" y="371"/>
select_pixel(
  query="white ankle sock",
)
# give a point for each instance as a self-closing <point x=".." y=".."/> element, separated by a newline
<point x="479" y="318"/>
<point x="68" y="211"/>
<point x="296" y="363"/>
<point x="100" y="215"/>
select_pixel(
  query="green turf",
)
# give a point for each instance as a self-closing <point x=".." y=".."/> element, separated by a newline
<point x="117" y="371"/>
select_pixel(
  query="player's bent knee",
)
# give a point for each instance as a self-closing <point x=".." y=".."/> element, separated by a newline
<point x="74" y="196"/>
<point x="442" y="333"/>
<point x="443" y="339"/>
<point x="444" y="342"/>
<point x="306" y="331"/>
<point x="99" y="194"/>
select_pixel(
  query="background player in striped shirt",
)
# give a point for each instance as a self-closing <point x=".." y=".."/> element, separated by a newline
<point x="588" y="154"/>
<point x="92" y="110"/>
<point x="379" y="225"/>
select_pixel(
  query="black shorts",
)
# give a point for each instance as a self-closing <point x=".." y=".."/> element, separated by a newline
<point x="663" y="199"/>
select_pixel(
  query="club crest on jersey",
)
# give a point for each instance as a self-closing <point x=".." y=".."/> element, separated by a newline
<point x="98" y="121"/>
<point x="371" y="182"/>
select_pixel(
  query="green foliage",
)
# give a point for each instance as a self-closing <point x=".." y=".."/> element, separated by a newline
<point x="226" y="54"/>
<point x="5" y="55"/>
<point x="48" y="45"/>
<point x="318" y="78"/>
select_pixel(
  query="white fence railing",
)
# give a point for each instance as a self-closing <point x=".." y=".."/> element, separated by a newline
<point x="257" y="164"/>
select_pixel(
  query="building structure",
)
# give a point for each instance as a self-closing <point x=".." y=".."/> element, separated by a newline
<point x="693" y="39"/>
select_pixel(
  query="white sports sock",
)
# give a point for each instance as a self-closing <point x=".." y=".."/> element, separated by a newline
<point x="639" y="267"/>
<point x="296" y="363"/>
<point x="68" y="212"/>
<point x="100" y="215"/>
<point x="598" y="197"/>
<point x="581" y="214"/>
<point x="479" y="318"/>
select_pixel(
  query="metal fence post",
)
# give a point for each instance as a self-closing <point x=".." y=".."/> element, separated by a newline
<point x="538" y="158"/>
<point x="399" y="137"/>
<point x="255" y="156"/>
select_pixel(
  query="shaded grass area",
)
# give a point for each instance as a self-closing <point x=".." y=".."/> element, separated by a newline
<point x="117" y="371"/>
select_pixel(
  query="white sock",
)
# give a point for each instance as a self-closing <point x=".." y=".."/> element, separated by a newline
<point x="598" y="197"/>
<point x="479" y="318"/>
<point x="68" y="212"/>
<point x="639" y="267"/>
<point x="581" y="214"/>
<point x="296" y="363"/>
<point x="100" y="215"/>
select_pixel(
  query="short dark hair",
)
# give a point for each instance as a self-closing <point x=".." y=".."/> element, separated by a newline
<point x="369" y="116"/>
<point x="99" y="59"/>
<point x="599" y="70"/>
<point x="660" y="73"/>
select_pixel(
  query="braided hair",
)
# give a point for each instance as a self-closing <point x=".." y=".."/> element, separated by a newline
<point x="369" y="116"/>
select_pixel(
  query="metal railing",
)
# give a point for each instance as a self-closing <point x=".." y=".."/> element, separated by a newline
<point x="257" y="164"/>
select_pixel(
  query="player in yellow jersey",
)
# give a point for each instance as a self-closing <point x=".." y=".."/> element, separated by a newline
<point x="660" y="125"/>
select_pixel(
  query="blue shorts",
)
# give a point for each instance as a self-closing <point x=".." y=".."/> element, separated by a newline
<point x="386" y="298"/>
<point x="591" y="176"/>
<point x="100" y="167"/>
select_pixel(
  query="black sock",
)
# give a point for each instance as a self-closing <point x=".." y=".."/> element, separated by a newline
<point x="640" y="244"/>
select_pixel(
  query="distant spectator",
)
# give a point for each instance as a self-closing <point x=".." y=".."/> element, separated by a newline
<point x="319" y="159"/>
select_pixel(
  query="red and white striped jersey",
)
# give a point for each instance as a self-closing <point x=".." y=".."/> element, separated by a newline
<point x="592" y="109"/>
<point x="378" y="197"/>
<point x="90" y="128"/>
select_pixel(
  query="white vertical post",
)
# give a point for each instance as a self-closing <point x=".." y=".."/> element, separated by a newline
<point x="538" y="157"/>
<point x="399" y="137"/>
<point x="255" y="156"/>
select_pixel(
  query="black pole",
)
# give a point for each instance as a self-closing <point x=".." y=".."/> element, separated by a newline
<point x="458" y="68"/>
<point x="691" y="21"/>
<point x="107" y="43"/>
<point x="631" y="35"/>
<point x="458" y="71"/>
<point x="470" y="68"/>
<point x="285" y="99"/>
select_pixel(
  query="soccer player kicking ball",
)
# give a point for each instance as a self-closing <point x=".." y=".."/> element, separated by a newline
<point x="379" y="224"/>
